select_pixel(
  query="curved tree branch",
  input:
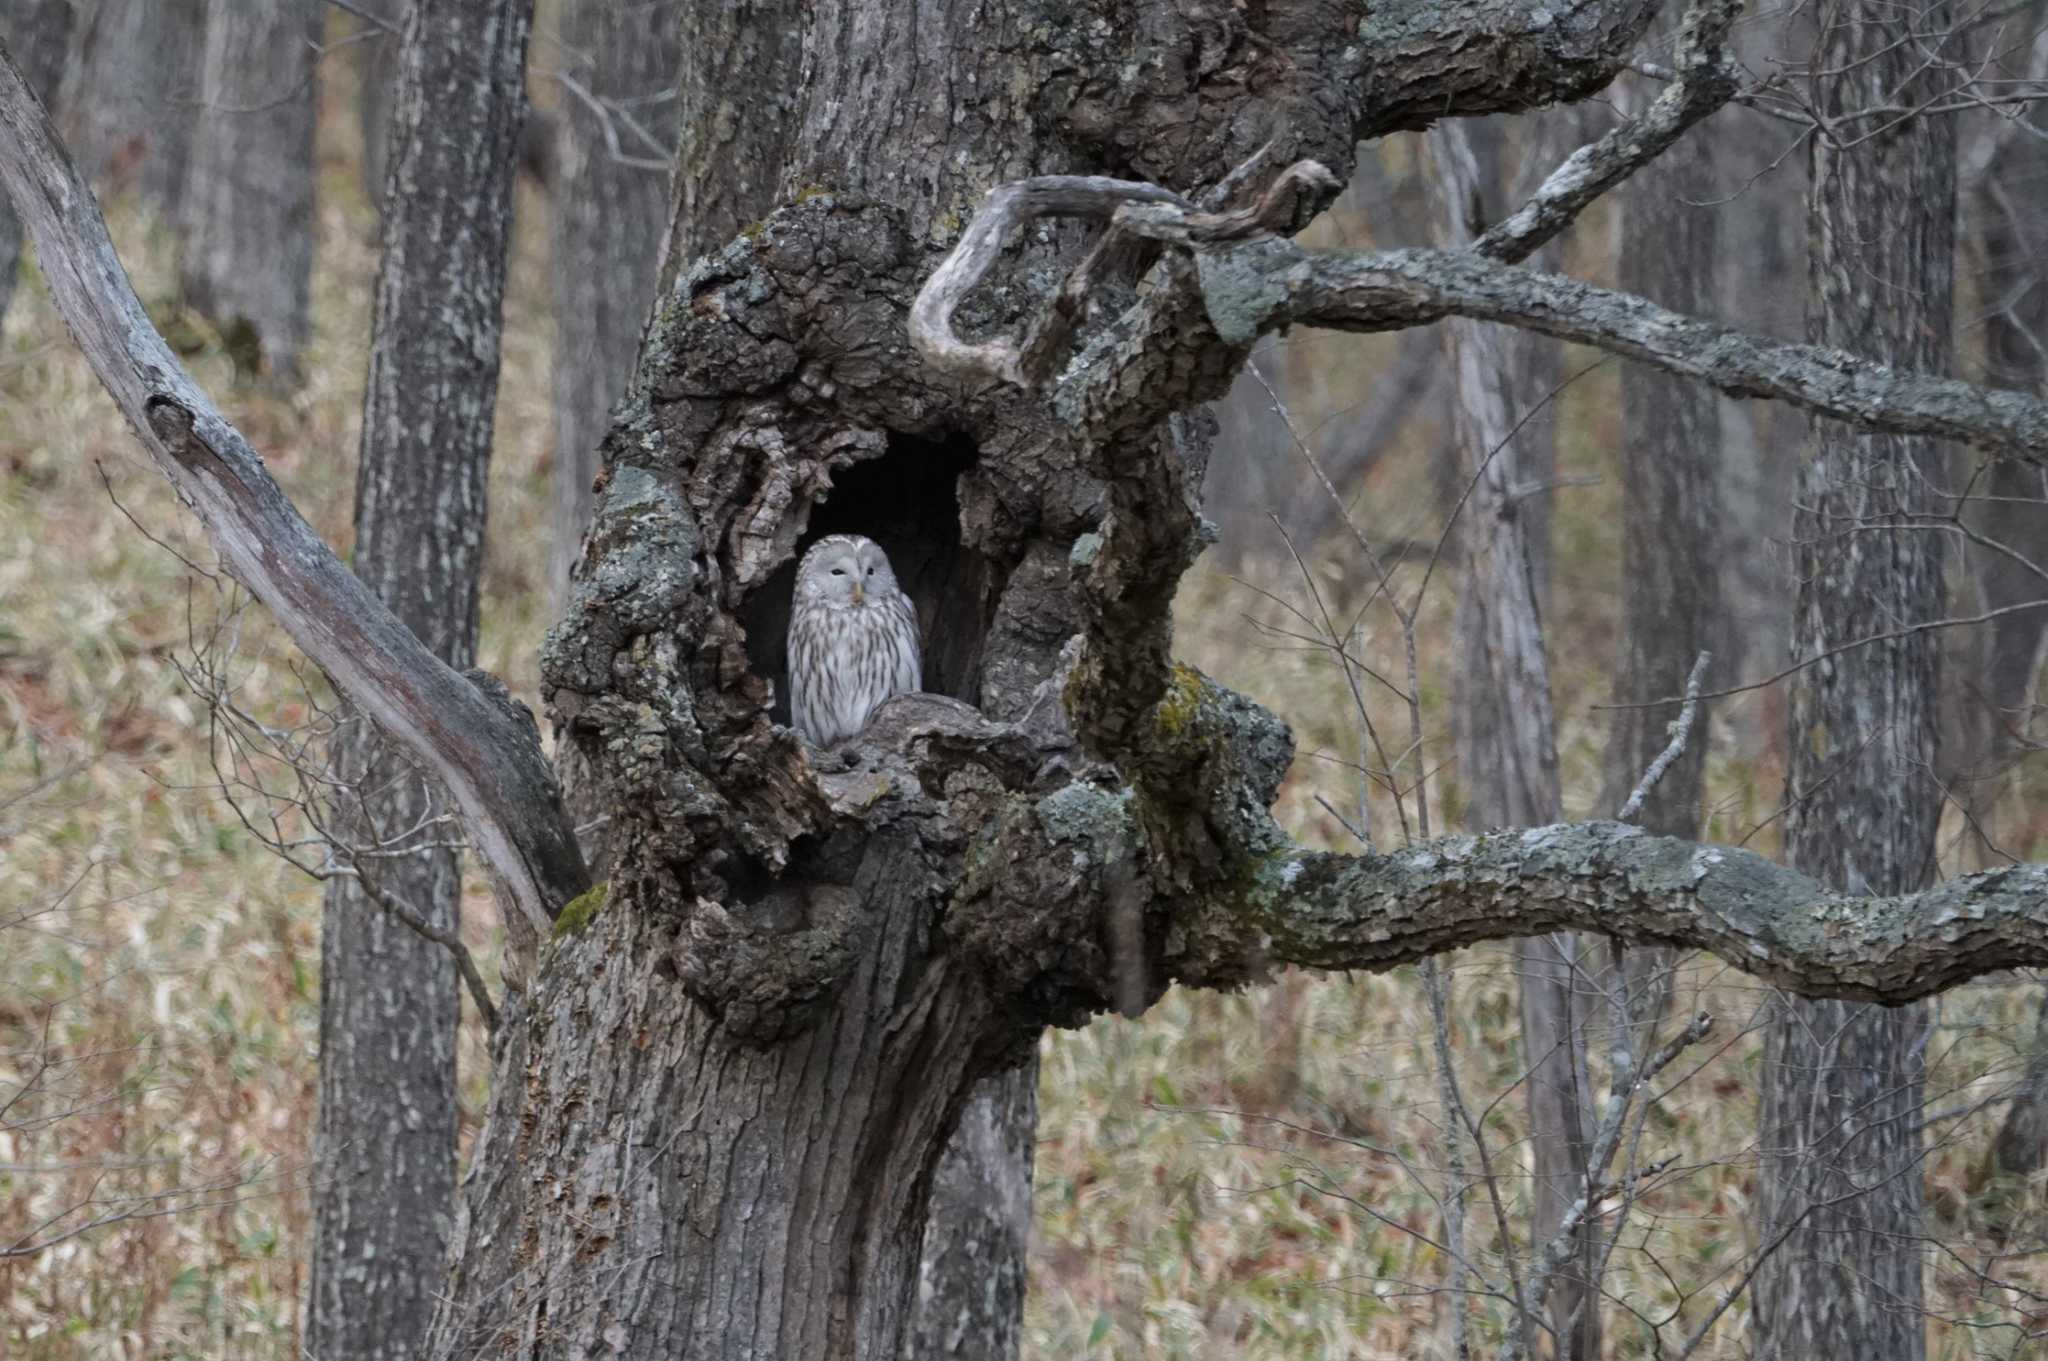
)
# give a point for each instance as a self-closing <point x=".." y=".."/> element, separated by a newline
<point x="1377" y="911"/>
<point x="490" y="761"/>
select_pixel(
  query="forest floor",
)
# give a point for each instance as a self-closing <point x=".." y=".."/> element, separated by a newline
<point x="1252" y="1176"/>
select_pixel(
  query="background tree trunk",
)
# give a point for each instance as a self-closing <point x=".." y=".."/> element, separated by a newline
<point x="36" y="33"/>
<point x="1670" y="477"/>
<point x="1506" y="732"/>
<point x="131" y="89"/>
<point x="1996" y="668"/>
<point x="608" y="217"/>
<point x="247" y="209"/>
<point x="1840" y="1140"/>
<point x="389" y="1006"/>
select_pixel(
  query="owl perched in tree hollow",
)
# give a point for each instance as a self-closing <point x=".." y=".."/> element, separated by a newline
<point x="852" y="638"/>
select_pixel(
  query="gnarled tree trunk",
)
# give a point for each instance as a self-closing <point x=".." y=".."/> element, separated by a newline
<point x="1842" y="1194"/>
<point x="384" y="1200"/>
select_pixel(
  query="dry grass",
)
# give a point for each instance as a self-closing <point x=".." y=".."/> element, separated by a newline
<point x="1246" y="1176"/>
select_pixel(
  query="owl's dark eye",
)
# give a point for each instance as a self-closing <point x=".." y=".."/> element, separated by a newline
<point x="871" y="571"/>
<point x="838" y="571"/>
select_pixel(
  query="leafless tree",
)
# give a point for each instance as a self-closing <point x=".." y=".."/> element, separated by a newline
<point x="388" y="994"/>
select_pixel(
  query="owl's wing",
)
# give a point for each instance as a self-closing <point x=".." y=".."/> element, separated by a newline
<point x="907" y="670"/>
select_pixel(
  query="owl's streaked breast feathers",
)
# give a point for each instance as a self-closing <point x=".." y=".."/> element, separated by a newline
<point x="852" y="638"/>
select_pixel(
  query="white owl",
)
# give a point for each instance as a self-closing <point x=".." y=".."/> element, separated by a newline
<point x="852" y="638"/>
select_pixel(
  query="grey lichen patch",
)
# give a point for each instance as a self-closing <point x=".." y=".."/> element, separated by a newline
<point x="582" y="910"/>
<point x="1096" y="819"/>
<point x="1085" y="549"/>
<point x="1244" y="287"/>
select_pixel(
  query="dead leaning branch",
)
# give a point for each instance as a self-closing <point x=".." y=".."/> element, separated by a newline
<point x="491" y="763"/>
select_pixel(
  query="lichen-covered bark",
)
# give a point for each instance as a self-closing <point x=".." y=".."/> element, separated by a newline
<point x="37" y="32"/>
<point x="1842" y="1197"/>
<point x="383" y="1201"/>
<point x="247" y="206"/>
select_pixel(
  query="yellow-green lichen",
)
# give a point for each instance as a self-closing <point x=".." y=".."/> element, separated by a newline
<point x="1183" y="698"/>
<point x="582" y="910"/>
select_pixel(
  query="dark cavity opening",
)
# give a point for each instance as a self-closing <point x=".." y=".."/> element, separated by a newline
<point x="907" y="501"/>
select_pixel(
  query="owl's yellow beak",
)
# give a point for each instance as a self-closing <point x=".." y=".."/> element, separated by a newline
<point x="859" y="595"/>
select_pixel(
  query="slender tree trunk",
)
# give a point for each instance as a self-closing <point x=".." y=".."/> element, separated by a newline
<point x="610" y="208"/>
<point x="37" y="32"/>
<point x="1841" y="1147"/>
<point x="247" y="208"/>
<point x="131" y="86"/>
<point x="1670" y="595"/>
<point x="1506" y="733"/>
<point x="389" y="1004"/>
<point x="2001" y="663"/>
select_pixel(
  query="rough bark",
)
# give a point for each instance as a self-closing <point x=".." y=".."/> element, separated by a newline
<point x="1842" y="1196"/>
<point x="131" y="85"/>
<point x="609" y="210"/>
<point x="247" y="207"/>
<point x="38" y="32"/>
<point x="1506" y="732"/>
<point x="383" y="1204"/>
<point x="971" y="1269"/>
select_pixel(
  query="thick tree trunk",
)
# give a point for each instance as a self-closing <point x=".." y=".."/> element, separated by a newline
<point x="971" y="1270"/>
<point x="247" y="209"/>
<point x="37" y="32"/>
<point x="1506" y="733"/>
<point x="610" y="207"/>
<point x="1842" y="1193"/>
<point x="384" y="1201"/>
<point x="131" y="88"/>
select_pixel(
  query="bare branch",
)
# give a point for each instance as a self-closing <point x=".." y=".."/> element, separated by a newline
<point x="1681" y="729"/>
<point x="1327" y="911"/>
<point x="1705" y="81"/>
<point x="491" y="763"/>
